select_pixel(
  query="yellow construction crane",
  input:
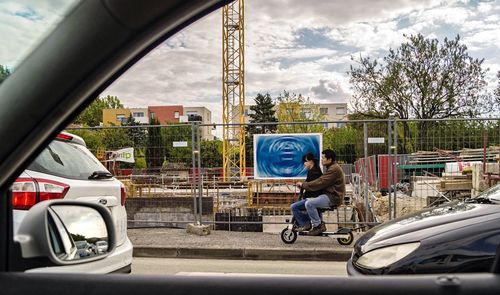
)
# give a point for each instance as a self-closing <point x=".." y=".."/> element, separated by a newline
<point x="233" y="90"/>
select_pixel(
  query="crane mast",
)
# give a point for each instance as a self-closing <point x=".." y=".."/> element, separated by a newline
<point x="233" y="91"/>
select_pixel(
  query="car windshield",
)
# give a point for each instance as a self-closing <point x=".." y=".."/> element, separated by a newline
<point x="24" y="24"/>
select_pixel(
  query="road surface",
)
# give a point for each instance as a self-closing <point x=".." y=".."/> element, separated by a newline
<point x="175" y="266"/>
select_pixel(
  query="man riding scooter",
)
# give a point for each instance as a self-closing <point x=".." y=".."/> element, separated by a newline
<point x="332" y="185"/>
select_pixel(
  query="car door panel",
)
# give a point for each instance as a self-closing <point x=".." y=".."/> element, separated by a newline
<point x="27" y="284"/>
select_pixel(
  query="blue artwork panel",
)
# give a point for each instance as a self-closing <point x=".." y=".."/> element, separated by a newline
<point x="278" y="156"/>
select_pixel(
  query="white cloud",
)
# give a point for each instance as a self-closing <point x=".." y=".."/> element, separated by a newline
<point x="24" y="24"/>
<point x="329" y="91"/>
<point x="368" y="36"/>
<point x="441" y="15"/>
<point x="189" y="71"/>
<point x="300" y="46"/>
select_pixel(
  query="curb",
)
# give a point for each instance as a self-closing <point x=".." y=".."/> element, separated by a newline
<point x="243" y="253"/>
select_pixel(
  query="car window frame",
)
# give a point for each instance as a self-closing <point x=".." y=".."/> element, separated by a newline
<point x="131" y="28"/>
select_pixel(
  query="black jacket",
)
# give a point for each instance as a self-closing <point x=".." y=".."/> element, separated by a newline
<point x="312" y="174"/>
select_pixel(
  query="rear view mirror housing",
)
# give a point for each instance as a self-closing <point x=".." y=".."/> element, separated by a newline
<point x="64" y="232"/>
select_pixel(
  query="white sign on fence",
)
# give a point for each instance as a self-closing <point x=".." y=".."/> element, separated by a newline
<point x="376" y="140"/>
<point x="124" y="155"/>
<point x="180" y="143"/>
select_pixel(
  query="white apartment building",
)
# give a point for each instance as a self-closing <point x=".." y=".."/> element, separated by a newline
<point x="333" y="112"/>
<point x="140" y="115"/>
<point x="192" y="113"/>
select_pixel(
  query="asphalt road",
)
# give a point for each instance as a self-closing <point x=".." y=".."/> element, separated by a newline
<point x="176" y="266"/>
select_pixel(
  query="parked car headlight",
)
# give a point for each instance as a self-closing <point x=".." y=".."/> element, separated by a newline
<point x="386" y="256"/>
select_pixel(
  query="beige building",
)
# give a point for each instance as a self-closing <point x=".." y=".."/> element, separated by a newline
<point x="114" y="117"/>
<point x="334" y="112"/>
<point x="200" y="114"/>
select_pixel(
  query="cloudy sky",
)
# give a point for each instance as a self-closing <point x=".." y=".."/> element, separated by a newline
<point x="295" y="45"/>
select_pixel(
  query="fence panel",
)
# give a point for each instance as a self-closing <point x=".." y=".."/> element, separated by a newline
<point x="160" y="179"/>
<point x="399" y="165"/>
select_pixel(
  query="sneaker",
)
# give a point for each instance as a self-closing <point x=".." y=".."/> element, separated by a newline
<point x="303" y="228"/>
<point x="317" y="230"/>
<point x="323" y="226"/>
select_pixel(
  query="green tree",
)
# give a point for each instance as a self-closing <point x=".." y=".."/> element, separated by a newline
<point x="296" y="108"/>
<point x="375" y="129"/>
<point x="94" y="138"/>
<point x="155" y="151"/>
<point x="345" y="142"/>
<point x="262" y="112"/>
<point x="421" y="79"/>
<point x="136" y="133"/>
<point x="4" y="73"/>
<point x="115" y="139"/>
<point x="211" y="153"/>
<point x="92" y="115"/>
<point x="497" y="90"/>
<point x="179" y="155"/>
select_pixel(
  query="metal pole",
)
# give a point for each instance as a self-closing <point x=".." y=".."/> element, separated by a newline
<point x="365" y="130"/>
<point x="397" y="161"/>
<point x="200" y="174"/>
<point x="389" y="164"/>
<point x="193" y="150"/>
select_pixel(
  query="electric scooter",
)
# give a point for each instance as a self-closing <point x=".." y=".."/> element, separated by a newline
<point x="343" y="235"/>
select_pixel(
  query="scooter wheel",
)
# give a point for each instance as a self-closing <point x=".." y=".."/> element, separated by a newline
<point x="288" y="236"/>
<point x="346" y="241"/>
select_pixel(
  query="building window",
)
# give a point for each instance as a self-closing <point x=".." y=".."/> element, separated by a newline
<point x="152" y="115"/>
<point x="340" y="125"/>
<point x="176" y="115"/>
<point x="340" y="111"/>
<point x="195" y="118"/>
<point x="138" y="114"/>
<point x="121" y="118"/>
<point x="323" y="111"/>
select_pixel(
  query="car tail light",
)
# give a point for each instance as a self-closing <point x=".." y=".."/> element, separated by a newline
<point x="26" y="192"/>
<point x="23" y="193"/>
<point x="63" y="136"/>
<point x="123" y="192"/>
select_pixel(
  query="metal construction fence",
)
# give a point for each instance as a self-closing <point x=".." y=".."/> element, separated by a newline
<point x="174" y="174"/>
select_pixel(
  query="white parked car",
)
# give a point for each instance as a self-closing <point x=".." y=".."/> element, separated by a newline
<point x="102" y="246"/>
<point x="66" y="169"/>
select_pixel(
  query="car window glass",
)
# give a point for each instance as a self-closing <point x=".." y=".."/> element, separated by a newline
<point x="67" y="160"/>
<point x="26" y="22"/>
<point x="308" y="56"/>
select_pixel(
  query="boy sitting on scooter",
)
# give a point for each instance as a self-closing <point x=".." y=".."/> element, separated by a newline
<point x="298" y="208"/>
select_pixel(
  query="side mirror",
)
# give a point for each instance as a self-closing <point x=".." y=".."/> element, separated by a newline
<point x="65" y="233"/>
